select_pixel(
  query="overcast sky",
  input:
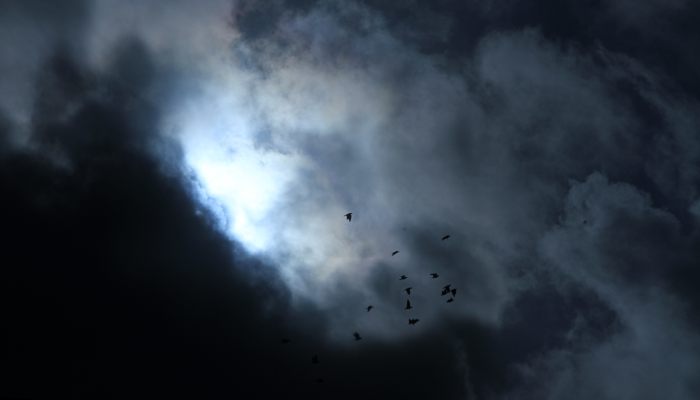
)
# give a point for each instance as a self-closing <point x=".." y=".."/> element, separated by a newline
<point x="174" y="177"/>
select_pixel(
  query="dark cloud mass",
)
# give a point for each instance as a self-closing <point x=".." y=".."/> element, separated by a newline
<point x="174" y="176"/>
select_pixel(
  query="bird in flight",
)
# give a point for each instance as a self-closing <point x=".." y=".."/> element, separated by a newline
<point x="348" y="216"/>
<point x="445" y="237"/>
<point x="408" y="305"/>
<point x="319" y="380"/>
<point x="395" y="252"/>
<point x="408" y="290"/>
<point x="446" y="289"/>
<point x="434" y="275"/>
<point x="285" y="341"/>
<point x="454" y="292"/>
<point x="369" y="307"/>
<point x="403" y="277"/>
<point x="413" y="321"/>
<point x="357" y="336"/>
<point x="314" y="359"/>
<point x="450" y="300"/>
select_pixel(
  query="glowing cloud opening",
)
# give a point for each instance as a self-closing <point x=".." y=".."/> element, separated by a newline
<point x="245" y="180"/>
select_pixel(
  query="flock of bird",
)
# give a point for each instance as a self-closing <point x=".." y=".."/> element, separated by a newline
<point x="446" y="290"/>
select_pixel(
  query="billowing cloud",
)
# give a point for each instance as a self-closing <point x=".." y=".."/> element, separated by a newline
<point x="221" y="143"/>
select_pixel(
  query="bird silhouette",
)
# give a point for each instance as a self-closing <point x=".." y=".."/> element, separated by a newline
<point x="319" y="380"/>
<point x="434" y="275"/>
<point x="357" y="336"/>
<point x="445" y="291"/>
<point x="445" y="237"/>
<point x="403" y="277"/>
<point x="454" y="292"/>
<point x="408" y="290"/>
<point x="348" y="216"/>
<point x="395" y="253"/>
<point x="285" y="341"/>
<point x="314" y="359"/>
<point x="450" y="300"/>
<point x="408" y="305"/>
<point x="369" y="307"/>
<point x="413" y="321"/>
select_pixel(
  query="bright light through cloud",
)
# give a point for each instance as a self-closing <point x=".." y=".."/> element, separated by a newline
<point x="245" y="179"/>
<point x="253" y="144"/>
<point x="248" y="184"/>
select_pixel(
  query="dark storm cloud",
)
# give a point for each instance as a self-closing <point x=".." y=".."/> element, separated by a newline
<point x="555" y="142"/>
<point x="101" y="297"/>
<point x="29" y="31"/>
<point x="615" y="242"/>
<point x="657" y="32"/>
<point x="116" y="283"/>
<point x="540" y="106"/>
<point x="120" y="286"/>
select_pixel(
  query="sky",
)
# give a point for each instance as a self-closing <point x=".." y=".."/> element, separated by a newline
<point x="174" y="179"/>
